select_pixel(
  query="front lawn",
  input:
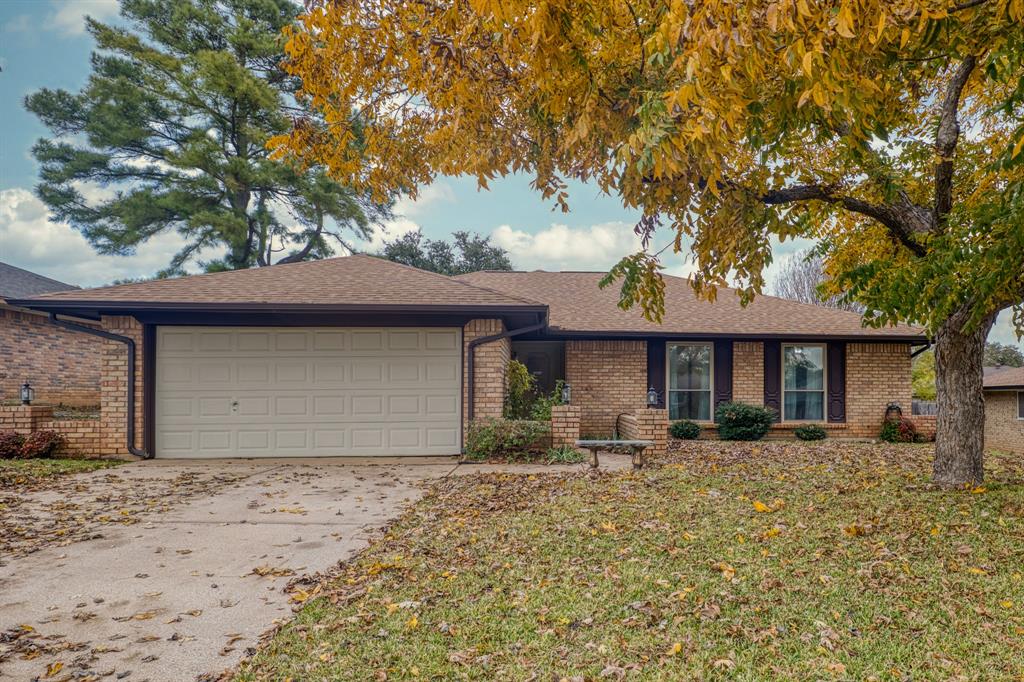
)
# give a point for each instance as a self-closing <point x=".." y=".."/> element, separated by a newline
<point x="20" y="474"/>
<point x="744" y="561"/>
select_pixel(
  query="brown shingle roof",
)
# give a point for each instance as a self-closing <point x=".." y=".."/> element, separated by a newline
<point x="1006" y="377"/>
<point x="346" y="281"/>
<point x="577" y="304"/>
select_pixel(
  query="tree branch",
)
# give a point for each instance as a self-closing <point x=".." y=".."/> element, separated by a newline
<point x="946" y="139"/>
<point x="903" y="221"/>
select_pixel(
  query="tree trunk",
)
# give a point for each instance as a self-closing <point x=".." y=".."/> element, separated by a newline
<point x="960" y="428"/>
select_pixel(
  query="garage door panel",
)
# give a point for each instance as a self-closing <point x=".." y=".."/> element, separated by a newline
<point x="266" y="392"/>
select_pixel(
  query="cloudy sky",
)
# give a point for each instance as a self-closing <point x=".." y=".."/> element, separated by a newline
<point x="43" y="44"/>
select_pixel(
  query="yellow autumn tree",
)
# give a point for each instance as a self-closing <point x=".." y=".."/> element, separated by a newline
<point x="888" y="130"/>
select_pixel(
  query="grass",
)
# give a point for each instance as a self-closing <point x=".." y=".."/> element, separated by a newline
<point x="741" y="562"/>
<point x="23" y="472"/>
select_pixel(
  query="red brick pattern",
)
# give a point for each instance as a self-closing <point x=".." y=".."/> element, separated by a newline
<point x="608" y="378"/>
<point x="491" y="361"/>
<point x="114" y="399"/>
<point x="565" y="425"/>
<point x="1003" y="430"/>
<point x="62" y="366"/>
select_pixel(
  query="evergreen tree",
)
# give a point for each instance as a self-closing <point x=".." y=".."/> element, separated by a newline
<point x="172" y="127"/>
<point x="468" y="253"/>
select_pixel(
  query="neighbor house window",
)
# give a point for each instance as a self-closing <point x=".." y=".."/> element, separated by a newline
<point x="689" y="381"/>
<point x="1020" y="405"/>
<point x="803" y="383"/>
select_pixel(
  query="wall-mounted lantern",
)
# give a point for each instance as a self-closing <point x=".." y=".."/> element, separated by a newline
<point x="28" y="394"/>
<point x="893" y="412"/>
<point x="566" y="394"/>
<point x="652" y="397"/>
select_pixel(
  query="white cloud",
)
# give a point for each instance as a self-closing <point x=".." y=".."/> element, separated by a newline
<point x="429" y="195"/>
<point x="29" y="240"/>
<point x="1003" y="331"/>
<point x="560" y="247"/>
<point x="68" y="16"/>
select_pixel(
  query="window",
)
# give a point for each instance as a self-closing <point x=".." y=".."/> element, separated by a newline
<point x="689" y="381"/>
<point x="803" y="383"/>
<point x="1020" y="405"/>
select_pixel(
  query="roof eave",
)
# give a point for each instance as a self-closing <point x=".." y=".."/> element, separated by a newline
<point x="801" y="336"/>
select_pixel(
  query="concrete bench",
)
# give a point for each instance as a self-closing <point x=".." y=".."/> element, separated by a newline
<point x="637" y="447"/>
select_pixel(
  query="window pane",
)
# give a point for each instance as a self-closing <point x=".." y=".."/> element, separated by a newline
<point x="689" y="367"/>
<point x="805" y="405"/>
<point x="1020" y="405"/>
<point x="694" y="405"/>
<point x="804" y="367"/>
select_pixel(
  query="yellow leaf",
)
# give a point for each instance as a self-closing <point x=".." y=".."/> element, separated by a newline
<point x="412" y="623"/>
<point x="53" y="668"/>
<point x="761" y="508"/>
<point x="904" y="37"/>
<point x="977" y="571"/>
<point x="1006" y="604"/>
<point x="880" y="28"/>
<point x="808" y="64"/>
<point x="674" y="649"/>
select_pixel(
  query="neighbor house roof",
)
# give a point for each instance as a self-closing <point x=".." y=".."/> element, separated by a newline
<point x="19" y="283"/>
<point x="1005" y="377"/>
<point x="577" y="305"/>
<point x="346" y="282"/>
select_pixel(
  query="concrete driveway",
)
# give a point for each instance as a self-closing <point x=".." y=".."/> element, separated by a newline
<point x="178" y="593"/>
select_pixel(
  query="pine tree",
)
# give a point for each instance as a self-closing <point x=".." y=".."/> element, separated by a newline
<point x="169" y="134"/>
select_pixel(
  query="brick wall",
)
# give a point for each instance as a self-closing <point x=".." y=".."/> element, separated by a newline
<point x="62" y="366"/>
<point x="647" y="424"/>
<point x="490" y="361"/>
<point x="876" y="374"/>
<point x="1003" y="430"/>
<point x="565" y="425"/>
<point x="113" y="394"/>
<point x="83" y="434"/>
<point x="926" y="425"/>
<point x="607" y="378"/>
<point x="748" y="372"/>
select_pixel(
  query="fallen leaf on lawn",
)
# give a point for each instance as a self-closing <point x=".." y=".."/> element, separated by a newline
<point x="727" y="571"/>
<point x="674" y="649"/>
<point x="54" y="668"/>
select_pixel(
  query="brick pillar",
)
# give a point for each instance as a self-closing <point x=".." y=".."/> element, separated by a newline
<point x="565" y="425"/>
<point x="114" y="387"/>
<point x="748" y="372"/>
<point x="491" y="360"/>
<point x="25" y="418"/>
<point x="647" y="424"/>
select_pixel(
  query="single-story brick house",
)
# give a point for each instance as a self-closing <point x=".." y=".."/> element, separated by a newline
<point x="1004" y="409"/>
<point x="62" y="366"/>
<point x="361" y="356"/>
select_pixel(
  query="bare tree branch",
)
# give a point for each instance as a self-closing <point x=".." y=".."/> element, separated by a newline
<point x="946" y="139"/>
<point x="904" y="221"/>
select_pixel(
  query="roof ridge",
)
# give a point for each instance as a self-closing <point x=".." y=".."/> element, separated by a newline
<point x="455" y="279"/>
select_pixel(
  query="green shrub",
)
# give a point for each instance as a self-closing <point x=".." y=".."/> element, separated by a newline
<point x="899" y="430"/>
<point x="739" y="421"/>
<point x="810" y="432"/>
<point x="10" y="444"/>
<point x="564" y="454"/>
<point x="684" y="429"/>
<point x="507" y="438"/>
<point x="541" y="409"/>
<point x="519" y="392"/>
<point x="43" y="444"/>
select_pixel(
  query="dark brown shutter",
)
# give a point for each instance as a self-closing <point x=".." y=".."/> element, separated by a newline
<point x="656" y="369"/>
<point x="723" y="373"/>
<point x="837" y="382"/>
<point x="773" y="377"/>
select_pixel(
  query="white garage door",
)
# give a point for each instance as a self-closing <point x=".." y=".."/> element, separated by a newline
<point x="293" y="392"/>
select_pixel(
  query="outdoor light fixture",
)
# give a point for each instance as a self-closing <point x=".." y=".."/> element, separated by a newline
<point x="27" y="394"/>
<point x="566" y="394"/>
<point x="652" y="397"/>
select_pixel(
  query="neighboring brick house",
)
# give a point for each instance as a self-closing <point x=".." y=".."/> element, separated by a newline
<point x="361" y="356"/>
<point x="62" y="367"/>
<point x="1004" y="409"/>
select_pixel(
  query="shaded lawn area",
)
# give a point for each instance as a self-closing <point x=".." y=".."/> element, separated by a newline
<point x="18" y="474"/>
<point x="742" y="561"/>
